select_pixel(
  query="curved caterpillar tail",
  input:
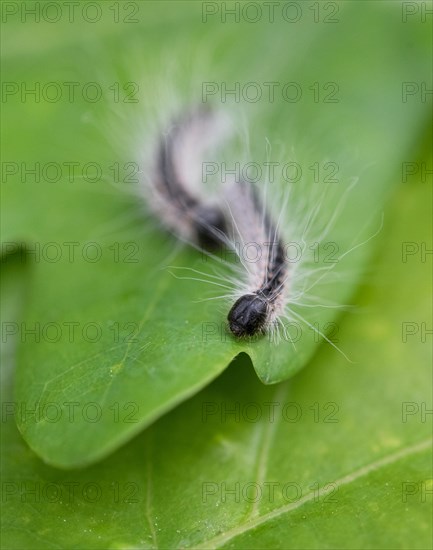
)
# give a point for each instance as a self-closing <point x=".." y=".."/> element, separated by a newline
<point x="256" y="309"/>
<point x="174" y="192"/>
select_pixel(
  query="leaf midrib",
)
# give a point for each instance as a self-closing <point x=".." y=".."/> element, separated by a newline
<point x="222" y="538"/>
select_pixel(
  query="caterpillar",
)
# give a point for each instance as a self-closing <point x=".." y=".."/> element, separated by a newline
<point x="239" y="214"/>
<point x="267" y="291"/>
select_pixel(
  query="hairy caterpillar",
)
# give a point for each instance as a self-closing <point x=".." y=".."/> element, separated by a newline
<point x="266" y="294"/>
<point x="239" y="214"/>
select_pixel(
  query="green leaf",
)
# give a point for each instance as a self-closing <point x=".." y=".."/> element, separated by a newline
<point x="119" y="336"/>
<point x="356" y="432"/>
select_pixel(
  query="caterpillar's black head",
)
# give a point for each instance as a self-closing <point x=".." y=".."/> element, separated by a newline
<point x="210" y="227"/>
<point x="248" y="315"/>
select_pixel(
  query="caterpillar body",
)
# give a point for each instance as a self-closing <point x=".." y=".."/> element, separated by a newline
<point x="266" y="292"/>
<point x="239" y="215"/>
